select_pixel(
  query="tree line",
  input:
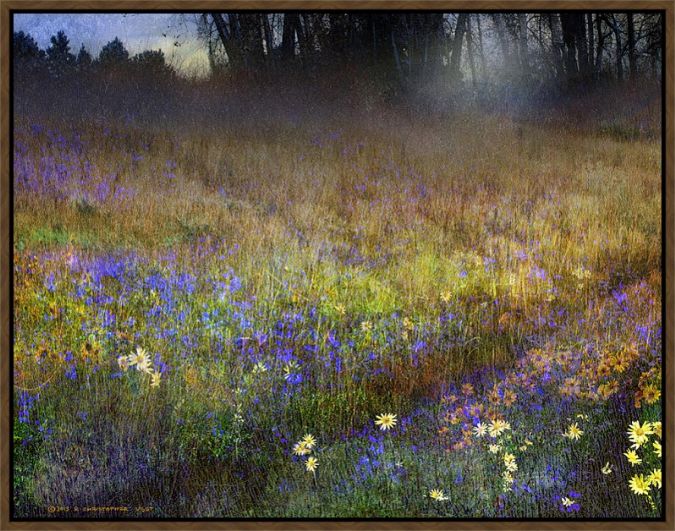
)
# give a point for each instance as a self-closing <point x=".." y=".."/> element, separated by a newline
<point x="59" y="61"/>
<point x="403" y="50"/>
<point x="566" y="46"/>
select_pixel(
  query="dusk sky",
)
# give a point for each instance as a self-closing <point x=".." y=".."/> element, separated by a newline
<point x="138" y="32"/>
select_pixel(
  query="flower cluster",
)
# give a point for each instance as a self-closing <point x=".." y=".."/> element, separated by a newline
<point x="647" y="452"/>
<point x="303" y="448"/>
<point x="141" y="361"/>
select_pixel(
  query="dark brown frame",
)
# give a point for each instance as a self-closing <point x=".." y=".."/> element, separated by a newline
<point x="6" y="224"/>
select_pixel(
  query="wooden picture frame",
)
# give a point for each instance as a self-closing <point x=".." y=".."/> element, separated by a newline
<point x="8" y="7"/>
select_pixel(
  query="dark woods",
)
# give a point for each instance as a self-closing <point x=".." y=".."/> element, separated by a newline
<point x="408" y="47"/>
<point x="431" y="60"/>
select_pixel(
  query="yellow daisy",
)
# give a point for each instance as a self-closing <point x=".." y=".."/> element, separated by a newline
<point x="657" y="448"/>
<point x="633" y="457"/>
<point x="123" y="362"/>
<point x="497" y="427"/>
<point x="480" y="430"/>
<point x="607" y="469"/>
<point x="309" y="441"/>
<point x="437" y="495"/>
<point x="140" y="359"/>
<point x="386" y="421"/>
<point x="639" y="485"/>
<point x="656" y="428"/>
<point x="301" y="448"/>
<point x="638" y="434"/>
<point x="655" y="478"/>
<point x="573" y="432"/>
<point x="651" y="394"/>
<point x="154" y="378"/>
<point x="311" y="464"/>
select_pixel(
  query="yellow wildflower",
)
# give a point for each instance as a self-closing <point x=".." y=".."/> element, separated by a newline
<point x="655" y="478"/>
<point x="301" y="448"/>
<point x="140" y="359"/>
<point x="309" y="441"/>
<point x="437" y="495"/>
<point x="311" y="464"/>
<point x="651" y="394"/>
<point x="386" y="421"/>
<point x="657" y="448"/>
<point x="573" y="432"/>
<point x="123" y="362"/>
<point x="480" y="430"/>
<point x="638" y="434"/>
<point x="639" y="485"/>
<point x="497" y="427"/>
<point x="656" y="428"/>
<point x="633" y="458"/>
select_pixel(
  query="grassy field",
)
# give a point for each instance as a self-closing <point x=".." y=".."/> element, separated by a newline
<point x="193" y="301"/>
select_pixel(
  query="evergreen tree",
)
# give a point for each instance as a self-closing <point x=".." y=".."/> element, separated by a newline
<point x="28" y="58"/>
<point x="25" y="47"/>
<point x="151" y="62"/>
<point x="59" y="51"/>
<point x="113" y="54"/>
<point x="83" y="58"/>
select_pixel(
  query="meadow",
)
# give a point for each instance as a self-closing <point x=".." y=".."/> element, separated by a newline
<point x="365" y="314"/>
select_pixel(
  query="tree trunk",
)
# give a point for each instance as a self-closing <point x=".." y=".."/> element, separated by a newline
<point x="600" y="45"/>
<point x="469" y="50"/>
<point x="569" y="38"/>
<point x="269" y="40"/>
<point x="632" y="60"/>
<point x="522" y="45"/>
<point x="591" y="43"/>
<point x="503" y="41"/>
<point x="483" y="64"/>
<point x="557" y="44"/>
<point x="232" y="48"/>
<point x="619" y="48"/>
<point x="457" y="42"/>
<point x="582" y="44"/>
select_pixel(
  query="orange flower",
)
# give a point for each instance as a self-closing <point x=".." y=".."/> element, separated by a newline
<point x="608" y="389"/>
<point x="509" y="397"/>
<point x="651" y="394"/>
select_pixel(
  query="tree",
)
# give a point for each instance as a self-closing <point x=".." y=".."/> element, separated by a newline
<point x="28" y="58"/>
<point x="113" y="54"/>
<point x="151" y="62"/>
<point x="58" y="55"/>
<point x="632" y="60"/>
<point x="457" y="43"/>
<point x="84" y="59"/>
<point x="25" y="47"/>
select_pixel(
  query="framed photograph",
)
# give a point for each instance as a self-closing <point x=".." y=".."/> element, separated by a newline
<point x="389" y="264"/>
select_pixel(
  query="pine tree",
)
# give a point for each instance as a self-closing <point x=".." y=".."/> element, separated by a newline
<point x="83" y="58"/>
<point x="59" y="51"/>
<point x="113" y="54"/>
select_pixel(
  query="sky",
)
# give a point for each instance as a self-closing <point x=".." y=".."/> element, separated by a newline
<point x="138" y="32"/>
